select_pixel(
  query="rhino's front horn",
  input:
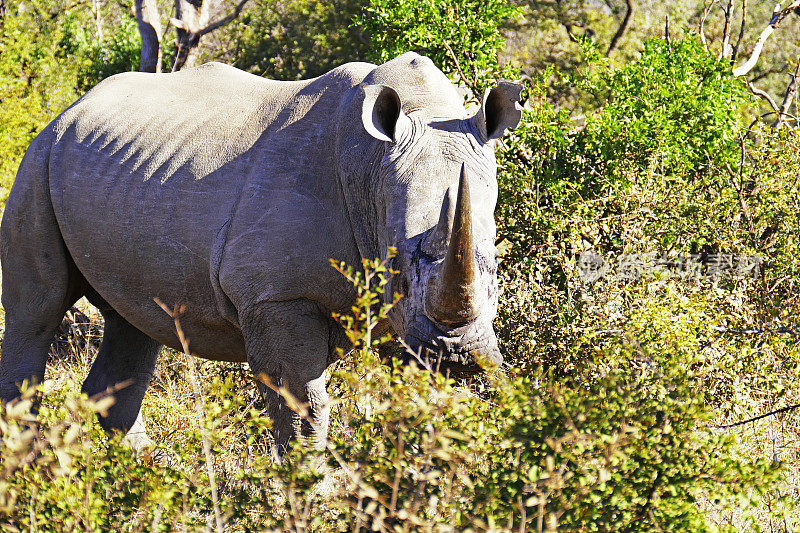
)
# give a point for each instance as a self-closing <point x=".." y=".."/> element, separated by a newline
<point x="452" y="297"/>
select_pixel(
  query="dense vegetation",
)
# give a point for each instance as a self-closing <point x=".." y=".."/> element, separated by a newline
<point x="648" y="222"/>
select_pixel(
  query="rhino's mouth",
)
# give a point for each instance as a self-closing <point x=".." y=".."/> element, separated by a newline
<point x="452" y="350"/>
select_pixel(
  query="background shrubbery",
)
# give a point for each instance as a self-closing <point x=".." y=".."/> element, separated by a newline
<point x="656" y="162"/>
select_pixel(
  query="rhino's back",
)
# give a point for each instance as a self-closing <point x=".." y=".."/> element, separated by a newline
<point x="164" y="126"/>
<point x="145" y="174"/>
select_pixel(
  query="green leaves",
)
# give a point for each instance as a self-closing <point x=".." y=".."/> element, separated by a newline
<point x="462" y="37"/>
<point x="369" y="283"/>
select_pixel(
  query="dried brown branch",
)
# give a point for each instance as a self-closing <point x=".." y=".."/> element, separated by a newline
<point x="726" y="32"/>
<point x="765" y="415"/>
<point x="192" y="23"/>
<point x="224" y="20"/>
<point x="623" y="27"/>
<point x="788" y="99"/>
<point x="702" y="29"/>
<point x="763" y="94"/>
<point x="472" y="86"/>
<point x="742" y="203"/>
<point x="199" y="404"/>
<point x="735" y="51"/>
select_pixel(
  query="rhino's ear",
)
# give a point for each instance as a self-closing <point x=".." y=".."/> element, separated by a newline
<point x="382" y="113"/>
<point x="500" y="110"/>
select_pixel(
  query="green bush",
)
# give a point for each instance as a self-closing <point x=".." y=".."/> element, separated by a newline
<point x="37" y="79"/>
<point x="295" y="40"/>
<point x="463" y="38"/>
<point x="621" y="443"/>
<point x="119" y="51"/>
<point x="648" y="108"/>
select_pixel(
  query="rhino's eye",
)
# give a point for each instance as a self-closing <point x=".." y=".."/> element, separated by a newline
<point x="404" y="287"/>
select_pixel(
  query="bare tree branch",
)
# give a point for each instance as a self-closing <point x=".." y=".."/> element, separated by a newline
<point x="791" y="92"/>
<point x="769" y="72"/>
<point x="189" y="19"/>
<point x="726" y="32"/>
<point x="702" y="29"/>
<point x="192" y="23"/>
<point x="735" y="51"/>
<point x="623" y="27"/>
<point x="763" y="94"/>
<point x="461" y="74"/>
<point x="777" y="18"/>
<point x="225" y="20"/>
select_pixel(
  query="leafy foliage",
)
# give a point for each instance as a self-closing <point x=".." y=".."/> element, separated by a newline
<point x="119" y="51"/>
<point x="462" y="37"/>
<point x="620" y="444"/>
<point x="606" y="421"/>
<point x="37" y="80"/>
<point x="368" y="310"/>
<point x="295" y="40"/>
<point x="48" y="57"/>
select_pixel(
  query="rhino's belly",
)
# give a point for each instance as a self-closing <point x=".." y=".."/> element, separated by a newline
<point x="136" y="241"/>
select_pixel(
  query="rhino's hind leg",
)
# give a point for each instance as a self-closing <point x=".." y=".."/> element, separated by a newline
<point x="126" y="359"/>
<point x="40" y="280"/>
<point x="26" y="344"/>
<point x="288" y="343"/>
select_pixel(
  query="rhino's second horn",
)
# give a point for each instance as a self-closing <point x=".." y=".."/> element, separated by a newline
<point x="452" y="297"/>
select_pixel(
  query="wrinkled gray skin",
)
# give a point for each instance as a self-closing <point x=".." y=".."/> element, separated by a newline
<point x="229" y="193"/>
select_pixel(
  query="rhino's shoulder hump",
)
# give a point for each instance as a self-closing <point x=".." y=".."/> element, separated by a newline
<point x="423" y="88"/>
<point x="354" y="72"/>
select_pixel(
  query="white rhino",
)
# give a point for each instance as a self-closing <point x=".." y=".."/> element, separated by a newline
<point x="229" y="193"/>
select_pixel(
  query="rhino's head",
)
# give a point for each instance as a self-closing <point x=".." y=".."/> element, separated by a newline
<point x="429" y="188"/>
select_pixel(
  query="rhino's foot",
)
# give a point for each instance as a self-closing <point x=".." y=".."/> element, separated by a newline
<point x="137" y="437"/>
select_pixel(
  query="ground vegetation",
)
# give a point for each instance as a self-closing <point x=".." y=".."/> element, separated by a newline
<point x="648" y="225"/>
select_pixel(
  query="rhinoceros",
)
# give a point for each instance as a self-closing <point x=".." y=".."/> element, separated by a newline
<point x="229" y="193"/>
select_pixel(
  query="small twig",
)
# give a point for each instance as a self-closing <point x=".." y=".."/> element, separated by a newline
<point x="702" y="30"/>
<point x="742" y="204"/>
<point x="175" y="314"/>
<point x="778" y="411"/>
<point x="111" y="389"/>
<point x="623" y="27"/>
<point x="461" y="74"/>
<point x="763" y="94"/>
<point x="791" y="92"/>
<point x="735" y="51"/>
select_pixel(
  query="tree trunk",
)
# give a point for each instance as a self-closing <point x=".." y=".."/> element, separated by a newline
<point x="149" y="22"/>
<point x="192" y="18"/>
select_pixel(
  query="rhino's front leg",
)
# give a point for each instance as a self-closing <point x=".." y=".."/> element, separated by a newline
<point x="288" y="342"/>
